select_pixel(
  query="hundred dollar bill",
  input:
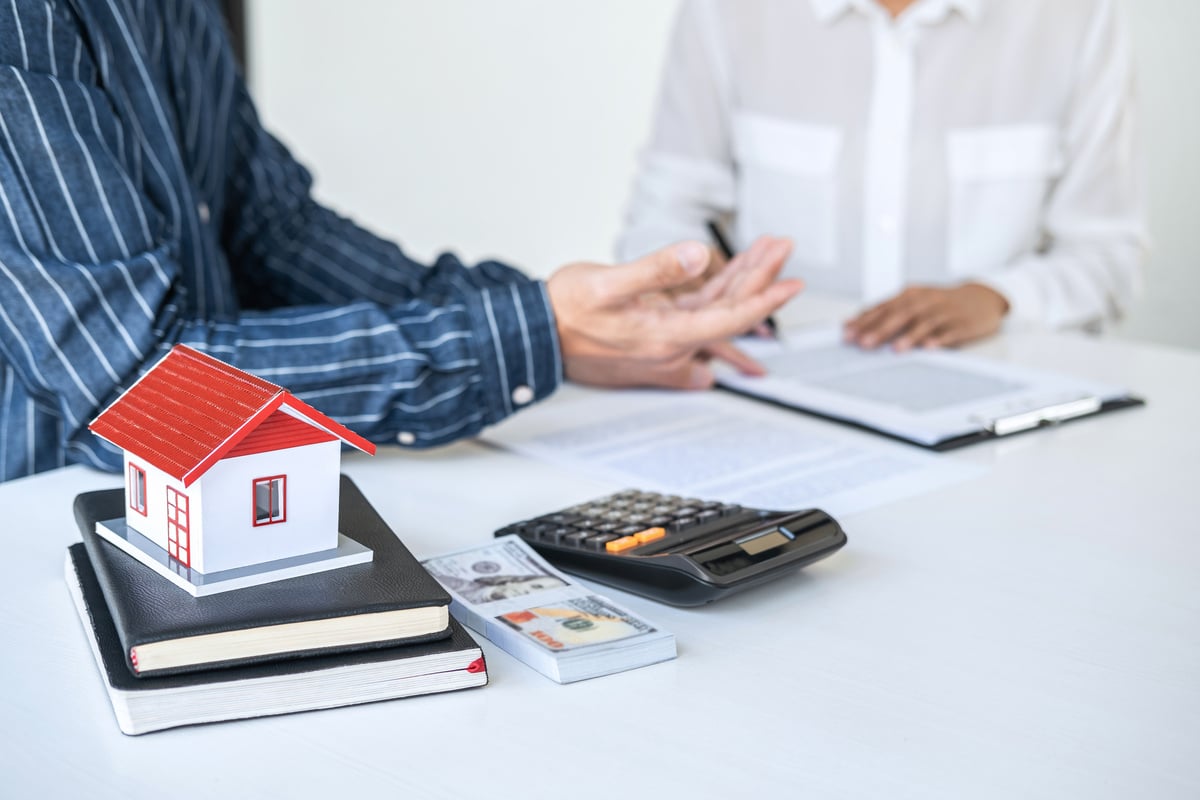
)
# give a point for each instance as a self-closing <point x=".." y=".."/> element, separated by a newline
<point x="577" y="622"/>
<point x="497" y="571"/>
<point x="505" y="591"/>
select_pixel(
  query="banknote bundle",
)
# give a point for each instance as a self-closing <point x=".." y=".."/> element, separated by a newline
<point x="562" y="629"/>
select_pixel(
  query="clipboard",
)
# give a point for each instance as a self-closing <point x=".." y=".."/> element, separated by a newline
<point x="997" y="428"/>
<point x="936" y="400"/>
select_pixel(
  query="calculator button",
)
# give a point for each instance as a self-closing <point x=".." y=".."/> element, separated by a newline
<point x="686" y="511"/>
<point x="649" y="535"/>
<point x="557" y="534"/>
<point x="622" y="544"/>
<point x="728" y="509"/>
<point x="598" y="541"/>
<point x="629" y="530"/>
<point x="682" y="523"/>
<point x="705" y="516"/>
<point x="575" y="539"/>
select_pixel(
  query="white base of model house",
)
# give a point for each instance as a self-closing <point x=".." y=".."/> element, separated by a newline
<point x="200" y="584"/>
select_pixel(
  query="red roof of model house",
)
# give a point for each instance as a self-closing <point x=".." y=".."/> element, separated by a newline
<point x="192" y="410"/>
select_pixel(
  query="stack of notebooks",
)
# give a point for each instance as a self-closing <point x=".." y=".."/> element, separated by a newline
<point x="358" y="634"/>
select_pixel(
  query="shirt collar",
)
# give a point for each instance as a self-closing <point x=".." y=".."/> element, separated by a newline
<point x="829" y="10"/>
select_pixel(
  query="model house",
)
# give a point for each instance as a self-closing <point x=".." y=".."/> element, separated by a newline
<point x="225" y="471"/>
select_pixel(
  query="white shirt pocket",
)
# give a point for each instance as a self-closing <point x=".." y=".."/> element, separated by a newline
<point x="1000" y="179"/>
<point x="787" y="184"/>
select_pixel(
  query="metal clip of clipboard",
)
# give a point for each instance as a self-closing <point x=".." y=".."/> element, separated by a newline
<point x="1059" y="412"/>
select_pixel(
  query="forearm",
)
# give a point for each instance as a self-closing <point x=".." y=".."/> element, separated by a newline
<point x="422" y="373"/>
<point x="1095" y="217"/>
<point x="1071" y="286"/>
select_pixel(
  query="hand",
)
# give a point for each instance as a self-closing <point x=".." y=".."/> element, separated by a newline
<point x="743" y="276"/>
<point x="621" y="326"/>
<point x="737" y="277"/>
<point x="923" y="316"/>
<point x="716" y="264"/>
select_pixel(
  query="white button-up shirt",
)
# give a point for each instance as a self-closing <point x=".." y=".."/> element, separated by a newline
<point x="985" y="140"/>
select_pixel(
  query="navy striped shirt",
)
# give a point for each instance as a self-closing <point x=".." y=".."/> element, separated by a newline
<point x="142" y="204"/>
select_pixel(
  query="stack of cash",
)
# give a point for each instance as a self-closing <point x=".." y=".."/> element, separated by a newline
<point x="562" y="629"/>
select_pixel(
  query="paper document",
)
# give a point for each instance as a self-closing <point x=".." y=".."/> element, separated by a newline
<point x="925" y="396"/>
<point x="717" y="446"/>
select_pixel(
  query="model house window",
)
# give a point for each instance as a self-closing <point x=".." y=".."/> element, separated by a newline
<point x="137" y="489"/>
<point x="270" y="500"/>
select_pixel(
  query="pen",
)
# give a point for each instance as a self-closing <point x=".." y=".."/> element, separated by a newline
<point x="722" y="244"/>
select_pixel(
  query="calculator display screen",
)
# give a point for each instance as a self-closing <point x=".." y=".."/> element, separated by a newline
<point x="763" y="542"/>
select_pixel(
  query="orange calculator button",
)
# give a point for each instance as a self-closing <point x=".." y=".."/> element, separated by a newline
<point x="624" y="543"/>
<point x="650" y="534"/>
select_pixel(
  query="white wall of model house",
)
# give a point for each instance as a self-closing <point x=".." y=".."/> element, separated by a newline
<point x="222" y="532"/>
<point x="230" y="539"/>
<point x="154" y="524"/>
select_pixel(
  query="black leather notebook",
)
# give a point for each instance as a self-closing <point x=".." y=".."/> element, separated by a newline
<point x="164" y="630"/>
<point x="142" y="705"/>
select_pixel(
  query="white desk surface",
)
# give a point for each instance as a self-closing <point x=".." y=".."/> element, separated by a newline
<point x="1034" y="633"/>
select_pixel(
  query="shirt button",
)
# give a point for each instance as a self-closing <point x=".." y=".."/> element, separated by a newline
<point x="522" y="396"/>
<point x="406" y="438"/>
<point x="202" y="210"/>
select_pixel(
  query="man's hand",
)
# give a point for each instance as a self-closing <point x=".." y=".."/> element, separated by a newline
<point x="922" y="316"/>
<point x="627" y="326"/>
<point x="716" y="264"/>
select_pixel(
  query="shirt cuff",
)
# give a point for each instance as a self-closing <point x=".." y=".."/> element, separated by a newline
<point x="1026" y="306"/>
<point x="517" y="339"/>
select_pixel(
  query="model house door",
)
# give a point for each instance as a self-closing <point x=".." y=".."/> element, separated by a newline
<point x="179" y="545"/>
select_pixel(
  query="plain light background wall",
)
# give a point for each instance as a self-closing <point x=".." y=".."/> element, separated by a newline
<point x="1166" y="37"/>
<point x="505" y="128"/>
<point x="511" y="129"/>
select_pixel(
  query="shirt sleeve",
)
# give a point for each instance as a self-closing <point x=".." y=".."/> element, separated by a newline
<point x="349" y="323"/>
<point x="686" y="174"/>
<point x="95" y="291"/>
<point x="1094" y="223"/>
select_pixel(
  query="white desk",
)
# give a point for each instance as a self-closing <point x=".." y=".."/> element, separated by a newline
<point x="1032" y="634"/>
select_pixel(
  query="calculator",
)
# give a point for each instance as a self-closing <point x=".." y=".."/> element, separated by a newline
<point x="679" y="550"/>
